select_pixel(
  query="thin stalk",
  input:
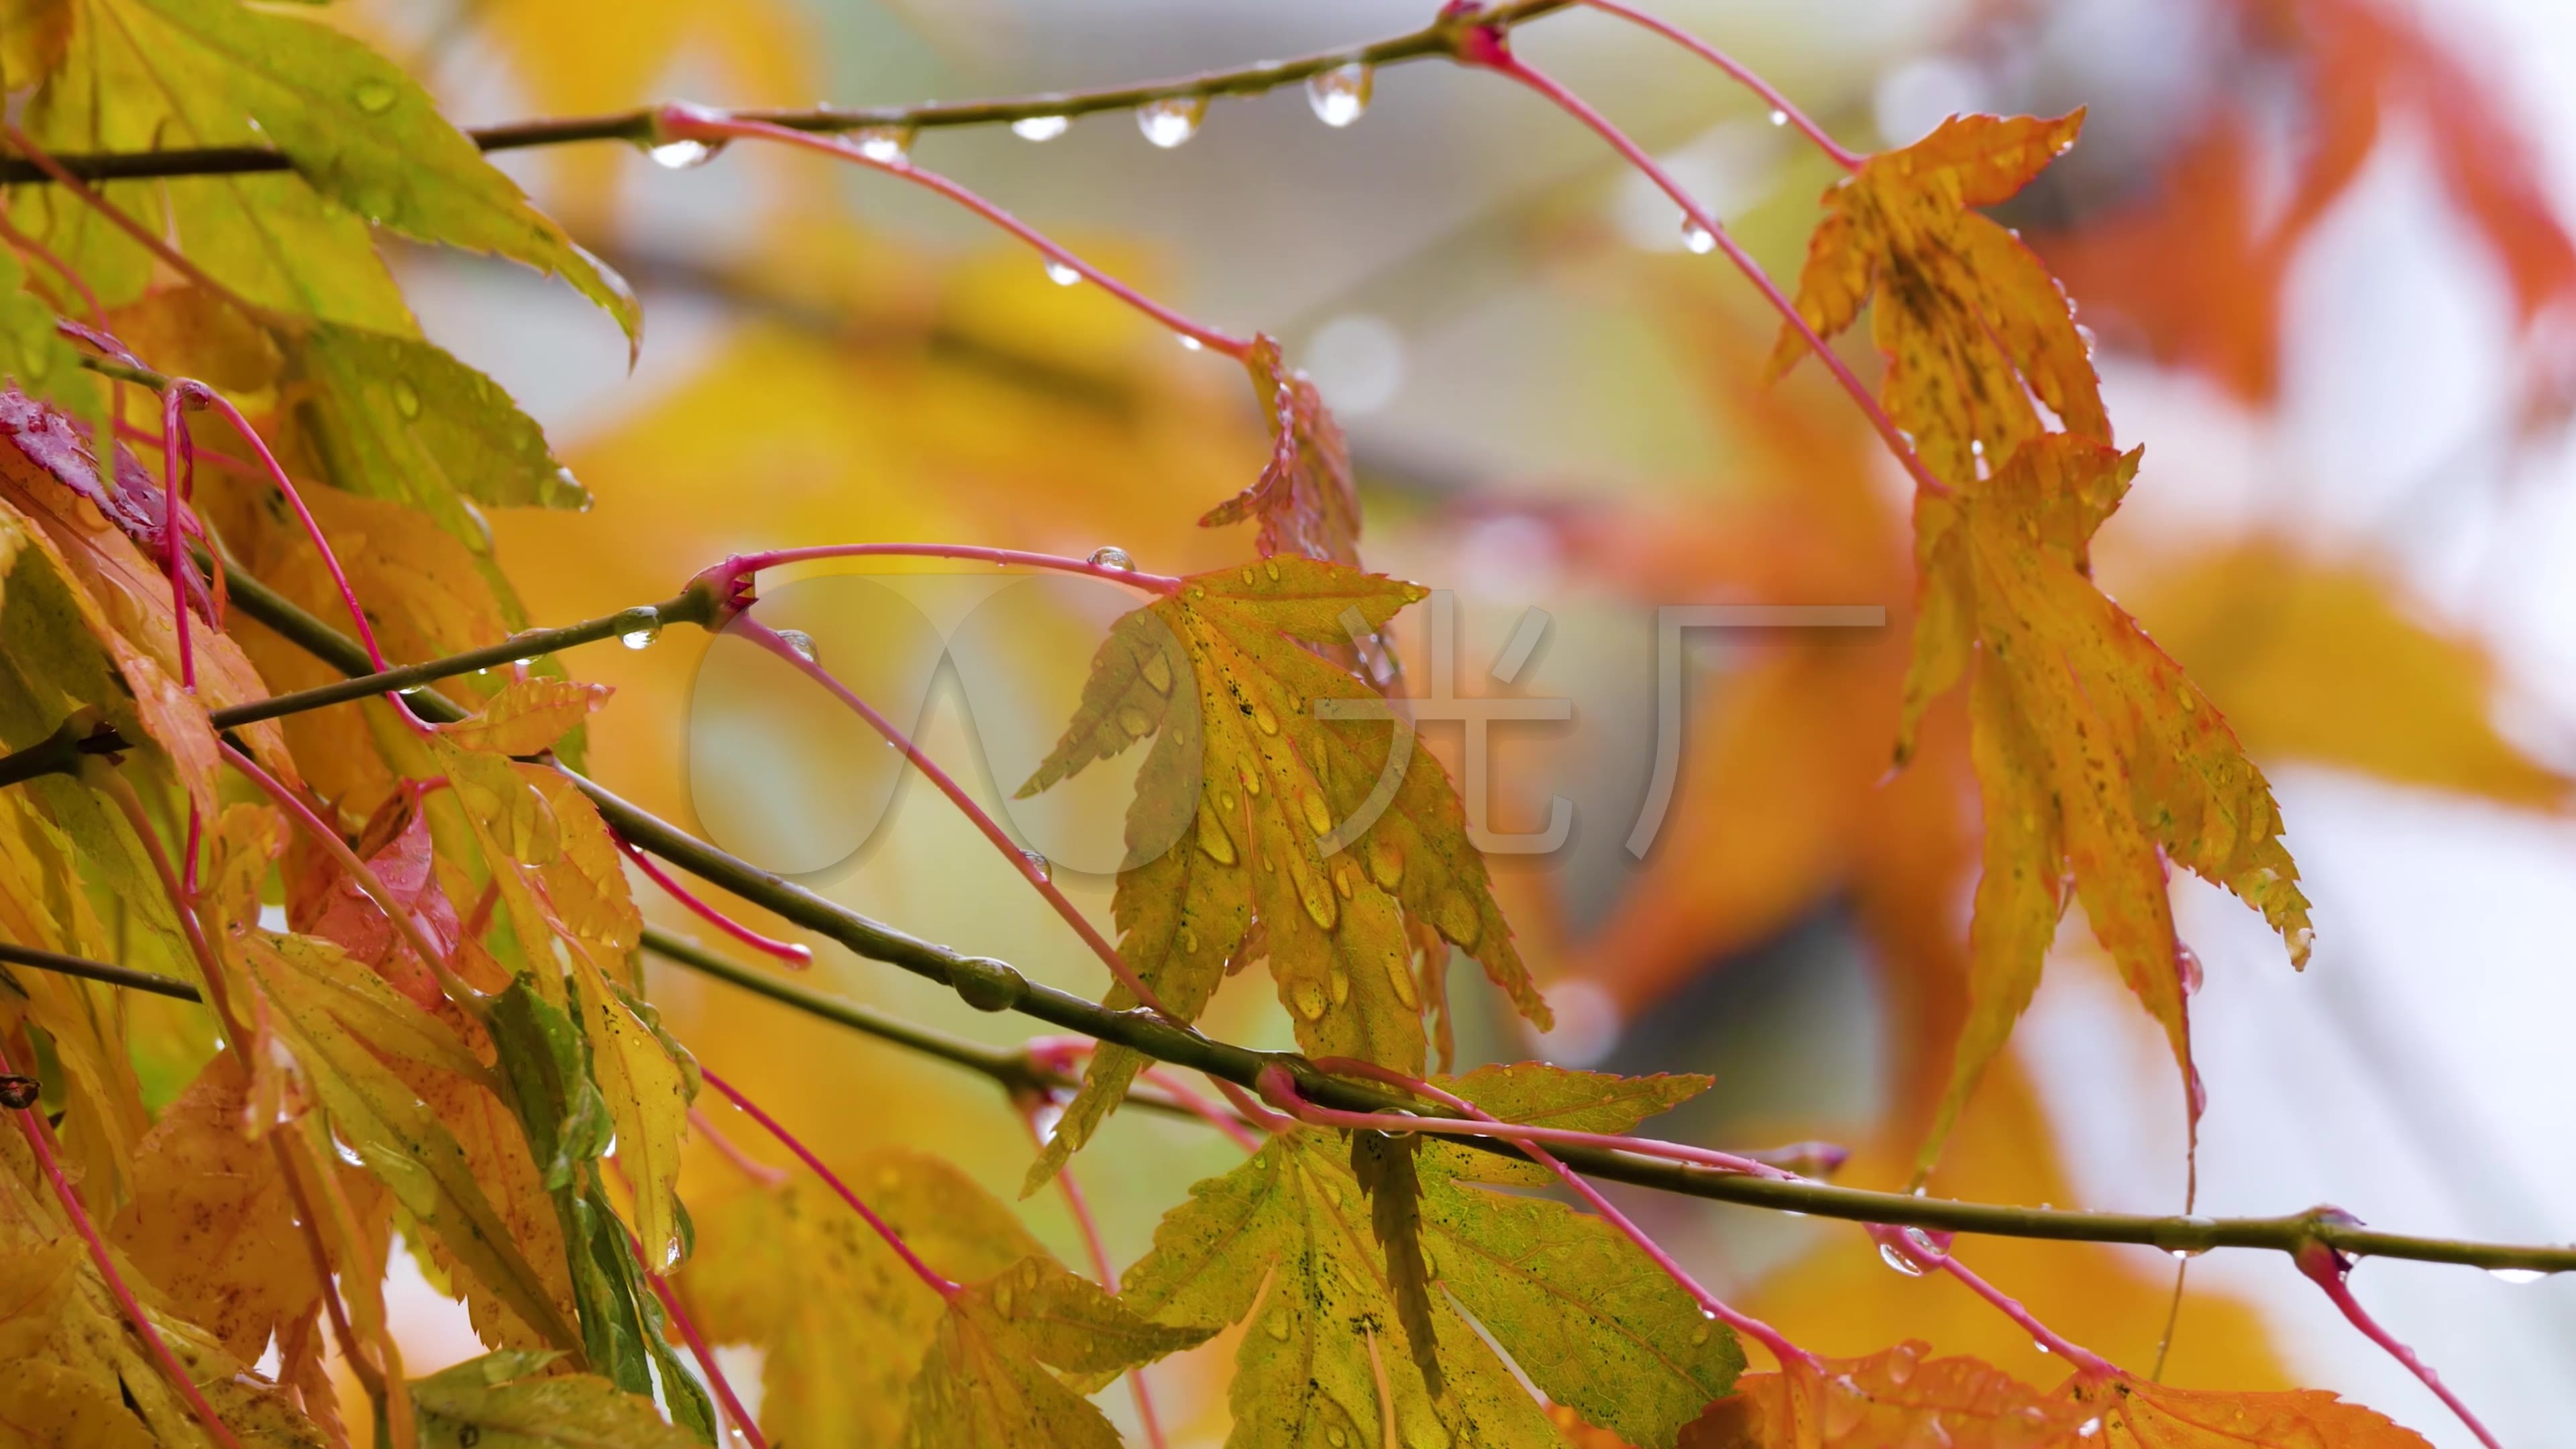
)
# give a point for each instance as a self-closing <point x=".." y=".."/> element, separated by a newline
<point x="799" y="957"/>
<point x="1496" y="56"/>
<point x="1478" y="1124"/>
<point x="1029" y="870"/>
<point x="126" y="976"/>
<point x="1917" y="1248"/>
<point x="731" y="1151"/>
<point x="40" y="1141"/>
<point x="942" y="1286"/>
<point x="1190" y="1050"/>
<point x="744" y="564"/>
<point x="730" y="1402"/>
<point x="1783" y="109"/>
<point x="636" y="127"/>
<point x="693" y="123"/>
<point x="2327" y="1268"/>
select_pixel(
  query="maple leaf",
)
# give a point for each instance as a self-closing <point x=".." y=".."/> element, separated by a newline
<point x="507" y="1401"/>
<point x="1302" y="829"/>
<point x="1280" y="1240"/>
<point x="1968" y="319"/>
<point x="527" y="716"/>
<point x="325" y="900"/>
<point x="2136" y="1414"/>
<point x="1305" y="500"/>
<point x="842" y="1323"/>
<point x="213" y="1223"/>
<point x="983" y="1382"/>
<point x="2096" y="756"/>
<point x="1896" y="1397"/>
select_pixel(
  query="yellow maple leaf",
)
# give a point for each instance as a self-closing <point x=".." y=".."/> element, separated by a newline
<point x="2097" y="758"/>
<point x="1968" y="319"/>
<point x="985" y="1382"/>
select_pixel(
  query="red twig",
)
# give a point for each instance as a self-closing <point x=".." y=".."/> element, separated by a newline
<point x="745" y="564"/>
<point x="698" y="1347"/>
<point x="1487" y="47"/>
<point x="790" y="952"/>
<point x="1783" y="109"/>
<point x="893" y="1239"/>
<point x="1482" y="1125"/>
<point x="1930" y="1252"/>
<point x="221" y="460"/>
<point x="1280" y="1090"/>
<point x="2327" y="1269"/>
<point x="1029" y="870"/>
<point x="694" y="123"/>
<point x="40" y="1140"/>
<point x="1063" y="1053"/>
<point x="731" y="1151"/>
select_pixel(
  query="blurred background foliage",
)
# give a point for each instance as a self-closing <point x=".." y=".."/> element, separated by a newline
<point x="2321" y="244"/>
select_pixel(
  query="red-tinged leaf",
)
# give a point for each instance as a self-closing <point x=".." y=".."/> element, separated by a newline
<point x="1897" y="1399"/>
<point x="1970" y="322"/>
<point x="527" y="716"/>
<point x="1304" y="499"/>
<point x="327" y="901"/>
<point x="2134" y="1414"/>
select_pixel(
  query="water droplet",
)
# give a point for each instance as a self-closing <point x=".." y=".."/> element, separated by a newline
<point x="800" y="641"/>
<point x="2300" y="942"/>
<point x="1779" y="117"/>
<point x="1977" y="447"/>
<point x="2516" y="1275"/>
<point x="1191" y="344"/>
<point x="1340" y="95"/>
<point x="1158" y="672"/>
<point x="1251" y="782"/>
<point x="1271" y="567"/>
<point x="1318" y="819"/>
<point x="1709" y="1313"/>
<point x="1341" y="980"/>
<point x="1699" y="1335"/>
<point x="2185" y="1254"/>
<point x="1386" y="864"/>
<point x="1696" y="238"/>
<point x="1060" y="273"/>
<point x="2187" y="968"/>
<point x="681" y="155"/>
<point x="1342" y="881"/>
<point x="644" y="637"/>
<point x="1320" y="906"/>
<point x="411" y="690"/>
<point x="1111" y="556"/>
<point x="2088" y="1429"/>
<point x="1335" y="1437"/>
<point x="2039" y="1344"/>
<point x="375" y="97"/>
<point x="1038" y="865"/>
<point x="1275" y="1323"/>
<point x="1310" y="1000"/>
<point x="1213" y="840"/>
<point x="1189" y="942"/>
<point x="1134" y="722"/>
<point x="1264" y="720"/>
<point x="1039" y="128"/>
<point x="1895" y="1258"/>
<point x="1171" y="120"/>
<point x="1399" y="974"/>
<point x="886" y="145"/>
<point x="406" y="398"/>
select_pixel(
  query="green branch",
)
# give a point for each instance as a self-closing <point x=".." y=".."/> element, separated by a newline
<point x="991" y="985"/>
<point x="1436" y="40"/>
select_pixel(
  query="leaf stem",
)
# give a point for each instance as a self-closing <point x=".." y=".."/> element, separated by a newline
<point x="1928" y="1255"/>
<point x="2328" y="1268"/>
<point x="1494" y="53"/>
<point x="636" y="127"/>
<point x="698" y="1348"/>
<point x="696" y="123"/>
<point x="1188" y="1049"/>
<point x="942" y="1286"/>
<point x="1783" y="108"/>
<point x="742" y="565"/>
<point x="1524" y="1134"/>
<point x="1030" y="870"/>
<point x="796" y="956"/>
<point x="40" y="1141"/>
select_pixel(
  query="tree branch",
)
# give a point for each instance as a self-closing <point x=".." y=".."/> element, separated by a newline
<point x="995" y="986"/>
<point x="636" y="127"/>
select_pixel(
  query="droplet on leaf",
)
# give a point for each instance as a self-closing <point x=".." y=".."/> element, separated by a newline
<point x="1040" y="128"/>
<point x="1133" y="721"/>
<point x="1310" y="1004"/>
<point x="1340" y="977"/>
<point x="1171" y="120"/>
<point x="406" y="398"/>
<point x="1318" y="819"/>
<point x="1158" y="672"/>
<point x="1341" y="95"/>
<point x="375" y="97"/>
<point x="1264" y="720"/>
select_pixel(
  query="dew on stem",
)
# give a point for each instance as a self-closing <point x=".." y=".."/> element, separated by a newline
<point x="1040" y="128"/>
<point x="1697" y="239"/>
<point x="1038" y="865"/>
<point x="801" y="642"/>
<point x="1111" y="556"/>
<point x="644" y="637"/>
<point x="1060" y="273"/>
<point x="1172" y="120"/>
<point x="682" y="155"/>
<point x="1341" y="95"/>
<point x="885" y="145"/>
